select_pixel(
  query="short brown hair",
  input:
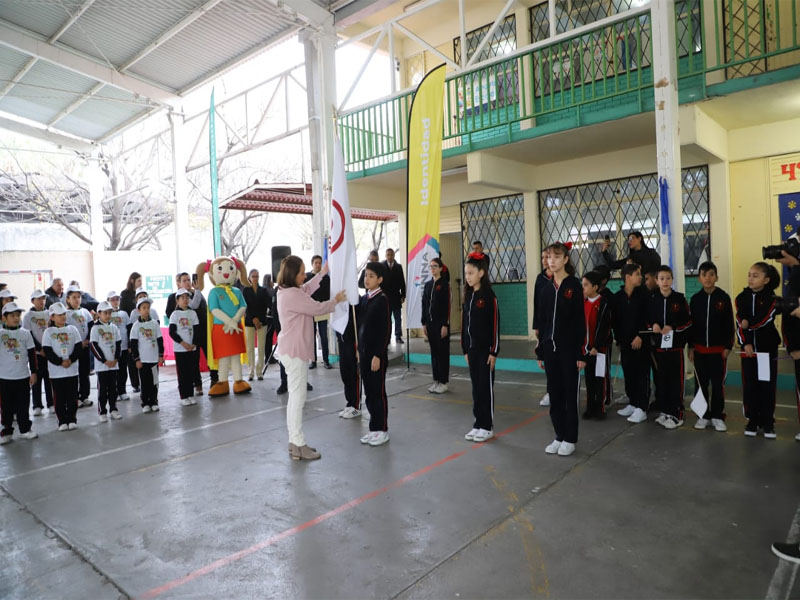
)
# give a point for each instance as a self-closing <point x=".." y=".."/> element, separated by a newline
<point x="290" y="268"/>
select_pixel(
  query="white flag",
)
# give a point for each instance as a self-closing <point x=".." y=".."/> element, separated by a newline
<point x="342" y="257"/>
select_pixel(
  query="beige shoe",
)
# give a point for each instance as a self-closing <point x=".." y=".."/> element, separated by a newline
<point x="303" y="452"/>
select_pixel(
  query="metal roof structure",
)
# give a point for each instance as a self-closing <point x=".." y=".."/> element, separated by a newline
<point x="290" y="198"/>
<point x="91" y="68"/>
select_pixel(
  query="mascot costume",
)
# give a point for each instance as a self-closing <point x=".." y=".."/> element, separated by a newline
<point x="226" y="306"/>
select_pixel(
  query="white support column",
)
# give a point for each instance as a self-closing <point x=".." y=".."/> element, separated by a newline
<point x="320" y="63"/>
<point x="551" y="17"/>
<point x="180" y="143"/>
<point x="97" y="181"/>
<point x="665" y="76"/>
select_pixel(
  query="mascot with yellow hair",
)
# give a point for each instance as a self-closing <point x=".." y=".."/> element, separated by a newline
<point x="226" y="306"/>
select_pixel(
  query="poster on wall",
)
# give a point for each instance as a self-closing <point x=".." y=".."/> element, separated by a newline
<point x="785" y="190"/>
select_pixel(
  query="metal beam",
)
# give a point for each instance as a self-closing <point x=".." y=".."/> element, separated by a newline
<point x="357" y="11"/>
<point x="426" y="45"/>
<point x="63" y="113"/>
<point x="59" y="139"/>
<point x="489" y="34"/>
<point x="363" y="68"/>
<point x="308" y="10"/>
<point x="170" y="33"/>
<point x="18" y="77"/>
<point x="36" y="46"/>
<point x="71" y="21"/>
<point x="125" y="124"/>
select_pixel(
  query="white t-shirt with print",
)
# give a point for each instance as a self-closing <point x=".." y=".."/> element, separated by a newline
<point x="36" y="322"/>
<point x="120" y="319"/>
<point x="134" y="316"/>
<point x="80" y="318"/>
<point x="62" y="340"/>
<point x="106" y="336"/>
<point x="14" y="346"/>
<point x="185" y="320"/>
<point x="147" y="333"/>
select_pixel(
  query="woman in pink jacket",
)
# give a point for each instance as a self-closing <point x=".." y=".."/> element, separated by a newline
<point x="296" y="312"/>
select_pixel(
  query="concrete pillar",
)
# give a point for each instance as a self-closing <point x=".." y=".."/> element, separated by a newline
<point x="533" y="248"/>
<point x="665" y="76"/>
<point x="180" y="192"/>
<point x="97" y="181"/>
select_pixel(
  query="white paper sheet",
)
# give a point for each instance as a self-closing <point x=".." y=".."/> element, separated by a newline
<point x="699" y="405"/>
<point x="666" y="341"/>
<point x="600" y="366"/>
<point x="155" y="374"/>
<point x="763" y="365"/>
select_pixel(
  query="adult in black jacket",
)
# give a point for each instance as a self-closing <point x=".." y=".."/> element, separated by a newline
<point x="394" y="286"/>
<point x="791" y="321"/>
<point x="640" y="253"/>
<point x="55" y="293"/>
<point x="322" y="294"/>
<point x="258" y="300"/>
<point x="373" y="257"/>
<point x="436" y="323"/>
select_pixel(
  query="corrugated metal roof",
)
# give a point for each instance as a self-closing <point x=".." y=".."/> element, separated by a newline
<point x="10" y="64"/>
<point x="101" y="113"/>
<point x="42" y="17"/>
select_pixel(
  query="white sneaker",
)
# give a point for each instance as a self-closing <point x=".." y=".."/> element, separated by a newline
<point x="622" y="399"/>
<point x="797" y="437"/>
<point x="5" y="439"/>
<point x="473" y="432"/>
<point x="545" y="401"/>
<point x="380" y="437"/>
<point x="115" y="415"/>
<point x="63" y="427"/>
<point x="146" y="408"/>
<point x="192" y="401"/>
<point x="186" y="402"/>
<point x="37" y="412"/>
<point x="72" y="426"/>
<point x="124" y="398"/>
<point x="31" y="435"/>
<point x="719" y="425"/>
<point x="627" y="411"/>
<point x="441" y="388"/>
<point x="432" y="386"/>
<point x="638" y="416"/>
<point x="104" y="418"/>
<point x="155" y="408"/>
<point x="701" y="424"/>
<point x="366" y="438"/>
<point x="483" y="435"/>
<point x="553" y="447"/>
<point x="566" y="448"/>
<point x="671" y="422"/>
<point x="350" y="413"/>
<point x="661" y="418"/>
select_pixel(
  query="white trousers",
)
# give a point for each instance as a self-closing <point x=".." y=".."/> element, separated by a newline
<point x="250" y="335"/>
<point x="296" y="378"/>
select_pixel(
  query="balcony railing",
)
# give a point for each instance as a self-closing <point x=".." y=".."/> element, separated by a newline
<point x="596" y="73"/>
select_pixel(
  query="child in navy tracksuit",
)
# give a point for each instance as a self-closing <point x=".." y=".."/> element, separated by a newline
<point x="374" y="332"/>
<point x="436" y="322"/>
<point x="480" y="342"/>
<point x="710" y="342"/>
<point x="597" y="313"/>
<point x="561" y="336"/>
<point x="755" y="315"/>
<point x="669" y="317"/>
<point x="542" y="279"/>
<point x="348" y="369"/>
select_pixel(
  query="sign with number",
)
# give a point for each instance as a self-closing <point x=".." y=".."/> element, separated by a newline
<point x="158" y="286"/>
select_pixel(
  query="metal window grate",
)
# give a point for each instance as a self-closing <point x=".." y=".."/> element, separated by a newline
<point x="585" y="214"/>
<point x="688" y="27"/>
<point x="499" y="223"/>
<point x="502" y="42"/>
<point x="743" y="37"/>
<point x="571" y="14"/>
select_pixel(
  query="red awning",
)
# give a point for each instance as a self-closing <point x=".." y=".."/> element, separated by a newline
<point x="289" y="198"/>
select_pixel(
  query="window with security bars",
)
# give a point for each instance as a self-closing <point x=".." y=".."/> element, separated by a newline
<point x="494" y="88"/>
<point x="571" y="14"/>
<point x="688" y="27"/>
<point x="586" y="214"/>
<point x="742" y="37"/>
<point x="415" y="69"/>
<point x="499" y="224"/>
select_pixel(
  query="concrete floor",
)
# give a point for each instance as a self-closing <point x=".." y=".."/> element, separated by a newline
<point x="202" y="502"/>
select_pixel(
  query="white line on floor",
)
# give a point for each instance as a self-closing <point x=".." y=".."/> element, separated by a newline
<point x="780" y="588"/>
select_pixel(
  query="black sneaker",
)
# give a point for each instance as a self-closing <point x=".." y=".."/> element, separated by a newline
<point x="751" y="430"/>
<point x="312" y="365"/>
<point x="790" y="552"/>
<point x="769" y="433"/>
<point x="587" y="415"/>
<point x="282" y="390"/>
<point x="400" y="341"/>
<point x="137" y="390"/>
<point x="328" y="365"/>
<point x="309" y="387"/>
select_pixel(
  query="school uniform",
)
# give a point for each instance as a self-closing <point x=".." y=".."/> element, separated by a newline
<point x="480" y="339"/>
<point x="435" y="315"/>
<point x="17" y="362"/>
<point x="348" y="364"/>
<point x="710" y="336"/>
<point x="790" y="328"/>
<point x="672" y="311"/>
<point x="541" y="280"/>
<point x="133" y="372"/>
<point x="631" y="318"/>
<point x="120" y="319"/>
<point x="184" y="326"/>
<point x="36" y="322"/>
<point x="81" y="319"/>
<point x="60" y="344"/>
<point x="374" y="332"/>
<point x="105" y="343"/>
<point x="758" y="309"/>
<point x="597" y="313"/>
<point x="147" y="346"/>
<point x="562" y="331"/>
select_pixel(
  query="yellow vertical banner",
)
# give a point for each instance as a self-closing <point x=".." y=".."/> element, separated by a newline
<point x="424" y="186"/>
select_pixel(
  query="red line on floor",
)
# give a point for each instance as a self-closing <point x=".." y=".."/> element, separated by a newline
<point x="236" y="556"/>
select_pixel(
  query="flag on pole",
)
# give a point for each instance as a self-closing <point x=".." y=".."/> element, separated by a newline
<point x="424" y="186"/>
<point x="212" y="161"/>
<point x="342" y="257"/>
<point x="666" y="226"/>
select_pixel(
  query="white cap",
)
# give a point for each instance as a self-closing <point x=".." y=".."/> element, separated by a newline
<point x="73" y="288"/>
<point x="10" y="308"/>
<point x="104" y="305"/>
<point x="57" y="309"/>
<point x="142" y="301"/>
<point x="37" y="294"/>
<point x="6" y="293"/>
<point x="182" y="292"/>
<point x="111" y="295"/>
<point x="140" y="291"/>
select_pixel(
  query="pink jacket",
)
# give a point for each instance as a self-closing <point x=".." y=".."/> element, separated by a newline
<point x="296" y="311"/>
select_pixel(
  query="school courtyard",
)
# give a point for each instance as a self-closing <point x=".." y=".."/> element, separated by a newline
<point x="203" y="501"/>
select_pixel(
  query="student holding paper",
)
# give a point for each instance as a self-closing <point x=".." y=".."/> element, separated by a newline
<point x="710" y="344"/>
<point x="597" y="313"/>
<point x="668" y="315"/>
<point x="759" y="339"/>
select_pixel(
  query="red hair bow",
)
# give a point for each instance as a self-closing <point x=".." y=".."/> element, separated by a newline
<point x="567" y="245"/>
<point x="476" y="255"/>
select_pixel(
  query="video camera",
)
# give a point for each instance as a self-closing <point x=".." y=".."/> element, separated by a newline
<point x="791" y="246"/>
<point x="786" y="304"/>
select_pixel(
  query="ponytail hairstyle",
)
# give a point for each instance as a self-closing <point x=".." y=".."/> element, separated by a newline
<point x="563" y="249"/>
<point x="771" y="272"/>
<point x="477" y="260"/>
